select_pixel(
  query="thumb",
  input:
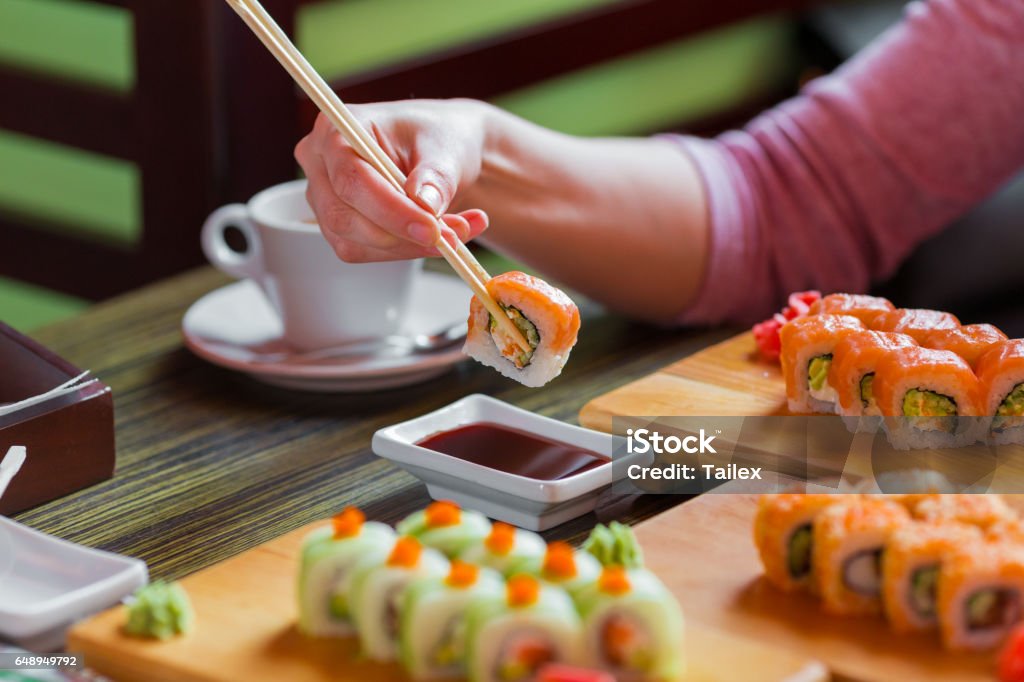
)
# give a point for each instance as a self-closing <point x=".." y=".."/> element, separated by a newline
<point x="432" y="184"/>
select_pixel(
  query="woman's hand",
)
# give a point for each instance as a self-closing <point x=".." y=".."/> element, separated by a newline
<point x="438" y="144"/>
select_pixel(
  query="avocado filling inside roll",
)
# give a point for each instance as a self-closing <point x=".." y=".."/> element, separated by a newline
<point x="1010" y="410"/>
<point x="799" y="556"/>
<point x="817" y="371"/>
<point x="992" y="608"/>
<point x="862" y="572"/>
<point x="523" y="654"/>
<point x="626" y="643"/>
<point x="450" y="648"/>
<point x="507" y="346"/>
<point x="867" y="392"/>
<point x="920" y="402"/>
<point x="923" y="584"/>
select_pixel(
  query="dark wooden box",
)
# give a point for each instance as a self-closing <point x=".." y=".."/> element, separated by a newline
<point x="70" y="439"/>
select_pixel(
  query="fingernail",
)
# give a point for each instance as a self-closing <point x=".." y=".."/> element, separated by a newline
<point x="422" y="234"/>
<point x="431" y="196"/>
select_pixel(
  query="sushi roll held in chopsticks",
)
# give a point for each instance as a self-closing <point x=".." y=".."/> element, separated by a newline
<point x="508" y="550"/>
<point x="980" y="595"/>
<point x="852" y="373"/>
<point x="446" y="527"/>
<point x="864" y="308"/>
<point x="807" y="347"/>
<point x="923" y="393"/>
<point x="433" y="642"/>
<point x="910" y="571"/>
<point x="329" y="556"/>
<point x="511" y="637"/>
<point x="377" y="591"/>
<point x="784" y="535"/>
<point x="1001" y="374"/>
<point x="547" y="318"/>
<point x="849" y="539"/>
<point x="632" y="626"/>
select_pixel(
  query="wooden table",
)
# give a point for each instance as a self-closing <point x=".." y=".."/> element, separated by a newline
<point x="211" y="463"/>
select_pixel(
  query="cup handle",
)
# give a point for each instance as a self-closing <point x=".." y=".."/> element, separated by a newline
<point x="248" y="264"/>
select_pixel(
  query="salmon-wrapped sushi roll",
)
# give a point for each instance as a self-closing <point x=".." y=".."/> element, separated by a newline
<point x="807" y="346"/>
<point x="849" y="540"/>
<point x="981" y="510"/>
<point x="783" y="533"/>
<point x="546" y="316"/>
<point x="910" y="571"/>
<point x="923" y="393"/>
<point x="969" y="342"/>
<point x="980" y="595"/>
<point x="1001" y="374"/>
<point x="864" y="308"/>
<point x="914" y="322"/>
<point x="852" y="374"/>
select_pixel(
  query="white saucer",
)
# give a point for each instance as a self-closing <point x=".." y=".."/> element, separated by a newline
<point x="234" y="325"/>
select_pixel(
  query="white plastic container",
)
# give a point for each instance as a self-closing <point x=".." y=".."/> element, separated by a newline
<point x="46" y="584"/>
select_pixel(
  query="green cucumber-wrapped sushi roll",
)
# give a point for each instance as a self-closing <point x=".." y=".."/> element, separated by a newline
<point x="446" y="527"/>
<point x="615" y="545"/>
<point x="432" y="640"/>
<point x="328" y="556"/>
<point x="570" y="569"/>
<point x="513" y="635"/>
<point x="508" y="550"/>
<point x="378" y="589"/>
<point x="632" y="626"/>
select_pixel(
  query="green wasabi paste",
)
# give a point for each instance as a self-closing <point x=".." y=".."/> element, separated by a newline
<point x="615" y="544"/>
<point x="159" y="611"/>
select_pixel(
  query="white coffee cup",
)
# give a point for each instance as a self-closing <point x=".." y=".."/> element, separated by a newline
<point x="322" y="300"/>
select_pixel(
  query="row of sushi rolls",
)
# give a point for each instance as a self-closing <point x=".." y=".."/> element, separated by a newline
<point x="449" y="594"/>
<point x="920" y="375"/>
<point x="927" y="562"/>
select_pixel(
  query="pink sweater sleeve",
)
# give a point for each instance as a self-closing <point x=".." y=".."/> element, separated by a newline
<point x="833" y="189"/>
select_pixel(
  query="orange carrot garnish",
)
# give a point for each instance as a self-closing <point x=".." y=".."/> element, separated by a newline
<point x="502" y="538"/>
<point x="614" y="580"/>
<point x="442" y="513"/>
<point x="462" y="574"/>
<point x="522" y="590"/>
<point x="406" y="553"/>
<point x="348" y="523"/>
<point x="560" y="561"/>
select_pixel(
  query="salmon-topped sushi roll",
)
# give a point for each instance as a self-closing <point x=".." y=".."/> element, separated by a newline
<point x="854" y="362"/>
<point x="910" y="571"/>
<point x="547" y="318"/>
<point x="969" y="342"/>
<point x="864" y="308"/>
<point x="849" y="542"/>
<point x="1001" y="374"/>
<point x="914" y="322"/>
<point x="980" y="595"/>
<point x="807" y="345"/>
<point x="923" y="394"/>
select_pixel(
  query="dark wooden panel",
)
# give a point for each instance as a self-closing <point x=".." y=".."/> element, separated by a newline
<point x="67" y="113"/>
<point x="175" y="108"/>
<point x="48" y="256"/>
<point x="257" y="105"/>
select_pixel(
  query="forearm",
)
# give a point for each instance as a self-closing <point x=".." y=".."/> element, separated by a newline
<point x="620" y="220"/>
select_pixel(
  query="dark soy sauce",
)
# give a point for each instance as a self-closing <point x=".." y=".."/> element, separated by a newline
<point x="514" y="452"/>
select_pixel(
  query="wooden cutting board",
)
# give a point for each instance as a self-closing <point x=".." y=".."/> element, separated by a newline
<point x="245" y="630"/>
<point x="726" y="379"/>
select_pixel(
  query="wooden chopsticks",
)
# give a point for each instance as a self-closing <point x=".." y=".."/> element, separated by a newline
<point x="276" y="40"/>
